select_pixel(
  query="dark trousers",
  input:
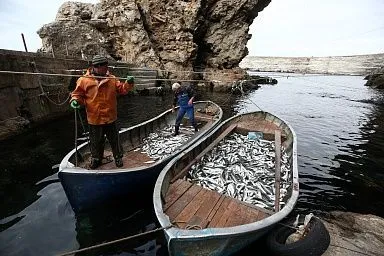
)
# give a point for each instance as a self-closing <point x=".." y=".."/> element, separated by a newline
<point x="190" y="113"/>
<point x="97" y="140"/>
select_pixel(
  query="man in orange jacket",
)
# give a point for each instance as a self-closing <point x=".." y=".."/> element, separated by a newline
<point x="97" y="90"/>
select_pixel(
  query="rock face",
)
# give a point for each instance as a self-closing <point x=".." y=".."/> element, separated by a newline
<point x="376" y="79"/>
<point x="354" y="234"/>
<point x="179" y="36"/>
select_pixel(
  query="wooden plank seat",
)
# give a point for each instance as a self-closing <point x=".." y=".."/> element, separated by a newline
<point x="191" y="206"/>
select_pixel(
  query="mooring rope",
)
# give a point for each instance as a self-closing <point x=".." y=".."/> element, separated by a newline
<point x="114" y="241"/>
<point x="102" y="77"/>
<point x="171" y="71"/>
<point x="76" y="137"/>
<point x="146" y="78"/>
<point x="55" y="103"/>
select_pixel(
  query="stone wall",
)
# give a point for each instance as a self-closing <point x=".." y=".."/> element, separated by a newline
<point x="29" y="98"/>
<point x="345" y="65"/>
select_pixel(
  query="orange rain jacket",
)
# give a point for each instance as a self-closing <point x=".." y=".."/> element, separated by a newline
<point x="99" y="97"/>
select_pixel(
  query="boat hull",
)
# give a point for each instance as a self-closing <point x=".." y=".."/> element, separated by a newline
<point x="219" y="240"/>
<point x="91" y="189"/>
<point x="213" y="246"/>
<point x="87" y="190"/>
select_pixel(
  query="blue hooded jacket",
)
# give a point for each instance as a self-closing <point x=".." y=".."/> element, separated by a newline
<point x="182" y="96"/>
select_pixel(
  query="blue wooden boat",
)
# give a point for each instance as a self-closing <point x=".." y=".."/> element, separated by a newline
<point x="87" y="189"/>
<point x="201" y="221"/>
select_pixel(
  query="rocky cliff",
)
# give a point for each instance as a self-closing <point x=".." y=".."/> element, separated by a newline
<point x="207" y="36"/>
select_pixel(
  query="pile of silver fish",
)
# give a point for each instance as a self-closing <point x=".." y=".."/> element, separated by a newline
<point x="162" y="143"/>
<point x="244" y="169"/>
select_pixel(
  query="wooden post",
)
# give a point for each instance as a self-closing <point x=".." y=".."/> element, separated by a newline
<point x="25" y="45"/>
<point x="277" y="169"/>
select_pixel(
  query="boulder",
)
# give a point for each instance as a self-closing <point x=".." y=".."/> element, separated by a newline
<point x="376" y="79"/>
<point x="354" y="234"/>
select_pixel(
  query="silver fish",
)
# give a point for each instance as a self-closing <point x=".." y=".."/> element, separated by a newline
<point x="243" y="169"/>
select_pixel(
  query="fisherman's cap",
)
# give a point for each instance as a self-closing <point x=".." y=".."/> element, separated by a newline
<point x="98" y="60"/>
<point x="175" y="86"/>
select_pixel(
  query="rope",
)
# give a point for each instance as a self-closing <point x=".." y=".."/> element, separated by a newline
<point x="115" y="241"/>
<point x="55" y="103"/>
<point x="243" y="94"/>
<point x="255" y="104"/>
<point x="82" y="124"/>
<point x="171" y="71"/>
<point x="76" y="137"/>
<point x="194" y="227"/>
<point x="68" y="75"/>
<point x="43" y="93"/>
<point x="188" y="227"/>
<point x="121" y="78"/>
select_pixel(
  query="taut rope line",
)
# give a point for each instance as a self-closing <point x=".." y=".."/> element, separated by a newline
<point x="76" y="138"/>
<point x="114" y="241"/>
<point x="123" y="78"/>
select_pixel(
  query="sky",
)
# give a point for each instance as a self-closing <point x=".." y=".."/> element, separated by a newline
<point x="284" y="28"/>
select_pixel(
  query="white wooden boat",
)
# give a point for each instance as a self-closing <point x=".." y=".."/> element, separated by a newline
<point x="199" y="221"/>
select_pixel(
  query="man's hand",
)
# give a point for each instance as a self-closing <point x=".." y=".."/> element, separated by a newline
<point x="75" y="104"/>
<point x="130" y="79"/>
<point x="190" y="102"/>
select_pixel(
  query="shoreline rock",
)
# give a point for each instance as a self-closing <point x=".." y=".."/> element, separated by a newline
<point x="331" y="65"/>
<point x="376" y="79"/>
<point x="354" y="234"/>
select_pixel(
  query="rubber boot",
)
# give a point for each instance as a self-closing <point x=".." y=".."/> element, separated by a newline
<point x="94" y="163"/>
<point x="176" y="131"/>
<point x="119" y="162"/>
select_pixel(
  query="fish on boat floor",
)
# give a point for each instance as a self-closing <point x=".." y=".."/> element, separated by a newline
<point x="191" y="206"/>
<point x="132" y="158"/>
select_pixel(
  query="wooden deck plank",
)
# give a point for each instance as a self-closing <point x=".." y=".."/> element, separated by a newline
<point x="238" y="216"/>
<point x="197" y="207"/>
<point x="251" y="215"/>
<point x="200" y="218"/>
<point x="215" y="208"/>
<point x="175" y="191"/>
<point x="183" y="219"/>
<point x="176" y="208"/>
<point x="176" y="184"/>
<point x="219" y="213"/>
<point x="228" y="213"/>
<point x="262" y="215"/>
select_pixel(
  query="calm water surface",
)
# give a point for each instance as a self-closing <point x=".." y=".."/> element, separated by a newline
<point x="340" y="130"/>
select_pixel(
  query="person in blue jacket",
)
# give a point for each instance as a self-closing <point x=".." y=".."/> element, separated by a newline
<point x="184" y="96"/>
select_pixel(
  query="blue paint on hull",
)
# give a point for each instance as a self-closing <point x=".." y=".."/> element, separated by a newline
<point x="88" y="190"/>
